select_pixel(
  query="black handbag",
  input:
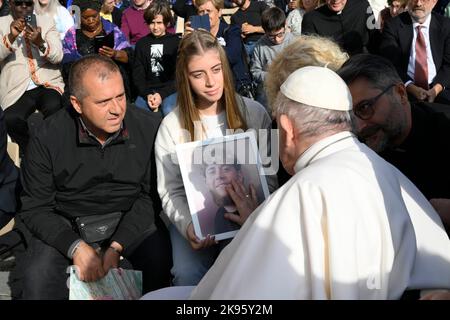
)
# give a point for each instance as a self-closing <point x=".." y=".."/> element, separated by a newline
<point x="97" y="228"/>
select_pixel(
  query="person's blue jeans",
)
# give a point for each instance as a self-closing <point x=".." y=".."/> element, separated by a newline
<point x="189" y="265"/>
<point x="249" y="48"/>
<point x="167" y="105"/>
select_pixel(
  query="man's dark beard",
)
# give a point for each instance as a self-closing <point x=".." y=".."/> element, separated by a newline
<point x="385" y="142"/>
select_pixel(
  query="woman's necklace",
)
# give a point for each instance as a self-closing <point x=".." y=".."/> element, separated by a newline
<point x="92" y="34"/>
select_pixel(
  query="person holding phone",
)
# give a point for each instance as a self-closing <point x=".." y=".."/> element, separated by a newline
<point x="229" y="36"/>
<point x="81" y="42"/>
<point x="30" y="53"/>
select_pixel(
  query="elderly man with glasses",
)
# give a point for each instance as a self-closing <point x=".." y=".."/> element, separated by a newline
<point x="412" y="136"/>
<point x="30" y="53"/>
<point x="417" y="42"/>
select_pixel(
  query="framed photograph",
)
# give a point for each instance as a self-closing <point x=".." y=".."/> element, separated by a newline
<point x="207" y="168"/>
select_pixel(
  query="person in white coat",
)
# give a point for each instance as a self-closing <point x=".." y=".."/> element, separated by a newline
<point x="347" y="225"/>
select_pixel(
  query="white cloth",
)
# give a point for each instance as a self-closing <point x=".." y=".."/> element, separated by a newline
<point x="170" y="183"/>
<point x="63" y="21"/>
<point x="412" y="56"/>
<point x="377" y="6"/>
<point x="348" y="225"/>
<point x="294" y="21"/>
<point x="169" y="293"/>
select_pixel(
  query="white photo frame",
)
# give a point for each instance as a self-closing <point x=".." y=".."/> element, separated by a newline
<point x="238" y="154"/>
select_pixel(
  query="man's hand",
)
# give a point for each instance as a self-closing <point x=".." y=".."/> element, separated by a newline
<point x="246" y="201"/>
<point x="34" y="35"/>
<point x="111" y="258"/>
<point x="195" y="242"/>
<point x="247" y="28"/>
<point x="442" y="206"/>
<point x="433" y="92"/>
<point x="88" y="263"/>
<point x="16" y="27"/>
<point x="418" y="92"/>
<point x="187" y="28"/>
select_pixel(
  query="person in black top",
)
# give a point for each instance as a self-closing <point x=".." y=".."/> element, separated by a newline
<point x="9" y="178"/>
<point x="345" y="21"/>
<point x="427" y="80"/>
<point x="92" y="161"/>
<point x="248" y="18"/>
<point x="218" y="178"/>
<point x="155" y="60"/>
<point x="411" y="136"/>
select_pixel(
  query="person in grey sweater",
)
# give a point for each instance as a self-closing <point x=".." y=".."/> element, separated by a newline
<point x="268" y="46"/>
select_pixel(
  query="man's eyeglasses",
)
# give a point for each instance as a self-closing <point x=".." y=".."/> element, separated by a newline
<point x="276" y="35"/>
<point x="21" y="3"/>
<point x="365" y="110"/>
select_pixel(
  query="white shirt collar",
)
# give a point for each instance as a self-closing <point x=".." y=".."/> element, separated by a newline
<point x="313" y="151"/>
<point x="426" y="24"/>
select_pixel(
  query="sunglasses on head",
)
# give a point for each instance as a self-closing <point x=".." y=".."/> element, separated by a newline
<point x="21" y="3"/>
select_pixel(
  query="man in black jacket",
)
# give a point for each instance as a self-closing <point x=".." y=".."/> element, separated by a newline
<point x="92" y="161"/>
<point x="427" y="78"/>
<point x="9" y="178"/>
<point x="410" y="135"/>
<point x="348" y="22"/>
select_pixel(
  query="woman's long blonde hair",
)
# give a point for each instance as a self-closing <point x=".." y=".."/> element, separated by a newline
<point x="197" y="43"/>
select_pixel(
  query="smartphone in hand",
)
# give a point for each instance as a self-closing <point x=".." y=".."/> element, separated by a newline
<point x="200" y="22"/>
<point x="30" y="20"/>
<point x="102" y="40"/>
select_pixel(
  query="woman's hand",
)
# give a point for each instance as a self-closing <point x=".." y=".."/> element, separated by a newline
<point x="107" y="52"/>
<point x="195" y="242"/>
<point x="245" y="201"/>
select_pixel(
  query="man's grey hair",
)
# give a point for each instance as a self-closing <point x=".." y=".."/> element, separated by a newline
<point x="313" y="121"/>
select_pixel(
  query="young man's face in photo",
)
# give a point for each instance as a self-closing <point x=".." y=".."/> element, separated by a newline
<point x="218" y="177"/>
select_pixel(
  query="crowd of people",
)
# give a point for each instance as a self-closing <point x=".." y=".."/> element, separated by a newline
<point x="358" y="93"/>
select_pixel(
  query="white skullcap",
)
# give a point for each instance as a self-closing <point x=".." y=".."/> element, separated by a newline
<point x="318" y="87"/>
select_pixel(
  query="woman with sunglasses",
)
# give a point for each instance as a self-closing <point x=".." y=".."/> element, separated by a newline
<point x="206" y="101"/>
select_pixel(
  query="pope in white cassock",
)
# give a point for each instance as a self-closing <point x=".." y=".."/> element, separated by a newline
<point x="347" y="225"/>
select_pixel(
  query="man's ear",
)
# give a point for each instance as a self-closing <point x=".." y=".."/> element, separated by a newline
<point x="76" y="104"/>
<point x="287" y="127"/>
<point x="400" y="89"/>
